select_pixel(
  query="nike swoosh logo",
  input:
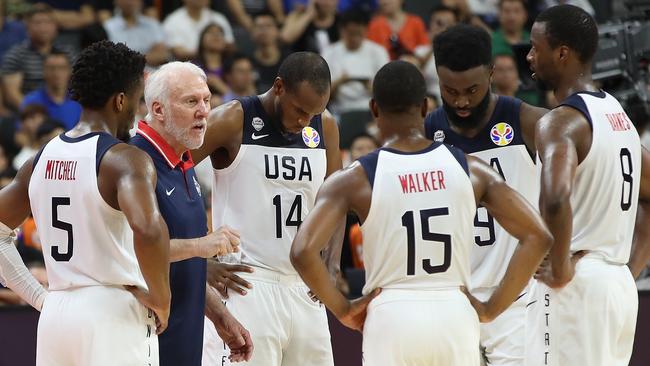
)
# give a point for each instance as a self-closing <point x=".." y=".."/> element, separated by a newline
<point x="169" y="193"/>
<point x="531" y="303"/>
<point x="257" y="137"/>
<point x="519" y="297"/>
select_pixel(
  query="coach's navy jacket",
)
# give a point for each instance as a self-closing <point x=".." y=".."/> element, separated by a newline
<point x="181" y="205"/>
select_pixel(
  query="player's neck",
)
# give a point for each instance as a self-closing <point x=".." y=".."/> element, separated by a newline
<point x="580" y="81"/>
<point x="93" y="121"/>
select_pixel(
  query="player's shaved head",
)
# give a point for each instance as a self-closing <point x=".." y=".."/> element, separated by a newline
<point x="568" y="25"/>
<point x="305" y="66"/>
<point x="398" y="87"/>
<point x="103" y="70"/>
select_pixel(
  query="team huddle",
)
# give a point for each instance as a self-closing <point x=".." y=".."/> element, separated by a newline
<point x="494" y="232"/>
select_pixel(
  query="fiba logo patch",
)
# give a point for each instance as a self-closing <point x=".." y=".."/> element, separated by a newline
<point x="197" y="185"/>
<point x="310" y="137"/>
<point x="502" y="134"/>
<point x="258" y="124"/>
<point x="439" y="136"/>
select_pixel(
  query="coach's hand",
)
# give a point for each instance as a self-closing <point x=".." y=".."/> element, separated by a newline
<point x="161" y="311"/>
<point x="234" y="335"/>
<point x="222" y="277"/>
<point x="355" y="315"/>
<point x="222" y="241"/>
<point x="562" y="276"/>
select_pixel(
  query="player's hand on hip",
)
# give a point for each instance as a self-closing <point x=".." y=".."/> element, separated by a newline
<point x="355" y="315"/>
<point x="161" y="311"/>
<point x="235" y="336"/>
<point x="222" y="241"/>
<point x="222" y="277"/>
<point x="561" y="276"/>
<point x="480" y="307"/>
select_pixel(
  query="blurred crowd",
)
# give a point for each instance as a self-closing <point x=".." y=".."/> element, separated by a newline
<point x="240" y="45"/>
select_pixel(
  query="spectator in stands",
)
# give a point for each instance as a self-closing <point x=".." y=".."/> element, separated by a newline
<point x="485" y="9"/>
<point x="210" y="57"/>
<point x="31" y="118"/>
<point x="22" y="68"/>
<point x="505" y="80"/>
<point x="396" y="30"/>
<point x="441" y="18"/>
<point x="139" y="32"/>
<point x="12" y="32"/>
<point x="54" y="94"/>
<point x="71" y="14"/>
<point x="184" y="25"/>
<point x="584" y="4"/>
<point x="512" y="22"/>
<point x="7" y="172"/>
<point x="238" y="72"/>
<point x="353" y="62"/>
<point x="244" y="11"/>
<point x="311" y="27"/>
<point x="267" y="55"/>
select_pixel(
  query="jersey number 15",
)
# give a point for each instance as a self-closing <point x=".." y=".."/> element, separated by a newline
<point x="408" y="222"/>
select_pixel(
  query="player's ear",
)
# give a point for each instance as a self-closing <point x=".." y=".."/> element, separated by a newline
<point x="374" y="108"/>
<point x="563" y="53"/>
<point x="118" y="102"/>
<point x="278" y="86"/>
<point x="424" y="107"/>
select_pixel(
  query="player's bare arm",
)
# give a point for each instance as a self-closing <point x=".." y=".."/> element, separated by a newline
<point x="229" y="329"/>
<point x="346" y="190"/>
<point x="522" y="221"/>
<point x="332" y="253"/>
<point x="127" y="182"/>
<point x="529" y="116"/>
<point x="222" y="241"/>
<point x="14" y="209"/>
<point x="563" y="139"/>
<point x="641" y="241"/>
<point x="223" y="135"/>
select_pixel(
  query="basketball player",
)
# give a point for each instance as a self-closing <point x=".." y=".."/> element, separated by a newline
<point x="270" y="154"/>
<point x="94" y="204"/>
<point x="416" y="200"/>
<point x="178" y="102"/>
<point x="593" y="173"/>
<point x="499" y="130"/>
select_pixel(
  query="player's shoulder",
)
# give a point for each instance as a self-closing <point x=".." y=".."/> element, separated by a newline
<point x="348" y="180"/>
<point x="228" y="117"/>
<point x="126" y="159"/>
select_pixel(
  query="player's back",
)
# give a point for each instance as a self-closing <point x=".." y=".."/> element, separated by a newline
<point x="85" y="241"/>
<point x="418" y="232"/>
<point x="605" y="195"/>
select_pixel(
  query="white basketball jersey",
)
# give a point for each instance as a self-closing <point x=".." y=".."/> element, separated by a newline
<point x="269" y="188"/>
<point x="501" y="145"/>
<point x="85" y="241"/>
<point x="606" y="190"/>
<point x="418" y="233"/>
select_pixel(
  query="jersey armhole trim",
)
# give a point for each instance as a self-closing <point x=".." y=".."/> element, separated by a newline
<point x="579" y="105"/>
<point x="104" y="143"/>
<point x="369" y="164"/>
<point x="460" y="157"/>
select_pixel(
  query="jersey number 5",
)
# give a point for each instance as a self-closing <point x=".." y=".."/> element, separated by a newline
<point x="409" y="223"/>
<point x="56" y="223"/>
